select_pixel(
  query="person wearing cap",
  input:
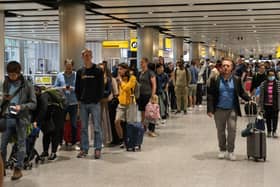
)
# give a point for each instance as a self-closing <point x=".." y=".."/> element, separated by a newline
<point x="126" y="83"/>
<point x="89" y="90"/>
<point x="66" y="82"/>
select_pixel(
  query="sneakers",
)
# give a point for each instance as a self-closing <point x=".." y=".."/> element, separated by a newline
<point x="17" y="174"/>
<point x="222" y="154"/>
<point x="52" y="157"/>
<point x="44" y="154"/>
<point x="76" y="147"/>
<point x="274" y="135"/>
<point x="152" y="134"/>
<point x="82" y="154"/>
<point x="269" y="134"/>
<point x="231" y="157"/>
<point x="122" y="145"/>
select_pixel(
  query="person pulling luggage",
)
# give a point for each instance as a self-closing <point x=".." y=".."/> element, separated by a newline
<point x="222" y="102"/>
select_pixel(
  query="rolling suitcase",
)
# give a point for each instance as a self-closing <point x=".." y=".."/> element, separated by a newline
<point x="256" y="145"/>
<point x="67" y="135"/>
<point x="134" y="136"/>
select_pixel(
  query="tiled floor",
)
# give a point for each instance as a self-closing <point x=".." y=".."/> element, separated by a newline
<point x="183" y="155"/>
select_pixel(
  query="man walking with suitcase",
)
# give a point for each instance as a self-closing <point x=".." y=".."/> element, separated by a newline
<point x="223" y="103"/>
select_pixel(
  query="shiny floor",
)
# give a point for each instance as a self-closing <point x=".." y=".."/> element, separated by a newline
<point x="184" y="154"/>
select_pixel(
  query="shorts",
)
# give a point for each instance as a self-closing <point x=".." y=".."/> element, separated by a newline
<point x="142" y="101"/>
<point x="121" y="112"/>
<point x="192" y="90"/>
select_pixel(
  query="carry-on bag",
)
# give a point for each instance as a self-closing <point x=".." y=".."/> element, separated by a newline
<point x="134" y="137"/>
<point x="256" y="145"/>
<point x="67" y="135"/>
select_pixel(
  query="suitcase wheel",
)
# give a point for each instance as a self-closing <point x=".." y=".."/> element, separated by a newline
<point x="264" y="158"/>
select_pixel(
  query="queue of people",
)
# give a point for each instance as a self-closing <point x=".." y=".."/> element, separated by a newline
<point x="93" y="93"/>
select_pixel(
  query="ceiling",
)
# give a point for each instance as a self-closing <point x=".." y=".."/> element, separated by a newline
<point x="250" y="27"/>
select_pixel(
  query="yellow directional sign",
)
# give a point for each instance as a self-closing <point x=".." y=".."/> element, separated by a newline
<point x="115" y="44"/>
<point x="133" y="44"/>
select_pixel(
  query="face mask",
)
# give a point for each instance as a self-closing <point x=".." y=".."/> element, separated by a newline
<point x="272" y="78"/>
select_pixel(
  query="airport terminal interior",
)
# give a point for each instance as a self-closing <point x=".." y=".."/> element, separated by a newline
<point x="183" y="149"/>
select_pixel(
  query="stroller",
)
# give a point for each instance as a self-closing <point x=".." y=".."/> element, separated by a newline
<point x="31" y="152"/>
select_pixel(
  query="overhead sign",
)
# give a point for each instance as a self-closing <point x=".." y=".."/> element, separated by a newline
<point x="167" y="44"/>
<point x="133" y="44"/>
<point x="115" y="44"/>
<point x="43" y="80"/>
<point x="278" y="52"/>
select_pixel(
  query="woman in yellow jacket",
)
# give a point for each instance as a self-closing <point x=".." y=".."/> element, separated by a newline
<point x="126" y="83"/>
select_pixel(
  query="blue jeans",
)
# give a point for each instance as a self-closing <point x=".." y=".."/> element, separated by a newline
<point x="14" y="128"/>
<point x="95" y="111"/>
<point x="72" y="110"/>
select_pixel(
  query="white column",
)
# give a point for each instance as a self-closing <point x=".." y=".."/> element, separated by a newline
<point x="178" y="51"/>
<point x="148" y="43"/>
<point x="72" y="31"/>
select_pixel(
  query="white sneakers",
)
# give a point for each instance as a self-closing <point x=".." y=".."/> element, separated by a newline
<point x="231" y="157"/>
<point x="224" y="154"/>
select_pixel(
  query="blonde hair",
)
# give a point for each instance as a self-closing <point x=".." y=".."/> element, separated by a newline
<point x="154" y="99"/>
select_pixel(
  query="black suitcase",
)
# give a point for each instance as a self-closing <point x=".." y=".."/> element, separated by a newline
<point x="256" y="145"/>
<point x="251" y="108"/>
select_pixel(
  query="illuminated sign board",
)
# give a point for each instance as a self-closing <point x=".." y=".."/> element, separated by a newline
<point x="133" y="44"/>
<point x="43" y="80"/>
<point x="115" y="44"/>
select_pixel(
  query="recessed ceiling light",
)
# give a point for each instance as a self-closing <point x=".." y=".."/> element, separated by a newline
<point x="40" y="9"/>
<point x="254" y="31"/>
<point x="206" y="16"/>
<point x="249" y="10"/>
<point x="19" y="16"/>
<point x="191" y="4"/>
<point x="254" y="26"/>
<point x="150" y="12"/>
<point x="214" y="24"/>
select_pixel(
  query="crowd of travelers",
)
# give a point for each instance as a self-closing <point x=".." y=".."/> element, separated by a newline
<point x="95" y="97"/>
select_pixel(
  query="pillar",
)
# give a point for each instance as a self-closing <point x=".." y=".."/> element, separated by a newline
<point x="178" y="51"/>
<point x="195" y="51"/>
<point x="148" y="43"/>
<point x="2" y="45"/>
<point x="72" y="31"/>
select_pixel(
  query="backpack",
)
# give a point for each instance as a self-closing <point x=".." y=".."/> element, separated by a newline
<point x="57" y="98"/>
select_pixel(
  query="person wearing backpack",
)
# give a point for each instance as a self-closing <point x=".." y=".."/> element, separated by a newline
<point x="182" y="81"/>
<point x="65" y="81"/>
<point x="18" y="101"/>
<point x="89" y="90"/>
<point x="50" y="118"/>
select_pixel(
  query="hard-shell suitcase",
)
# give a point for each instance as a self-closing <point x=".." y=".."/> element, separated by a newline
<point x="67" y="135"/>
<point x="256" y="145"/>
<point x="134" y="136"/>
